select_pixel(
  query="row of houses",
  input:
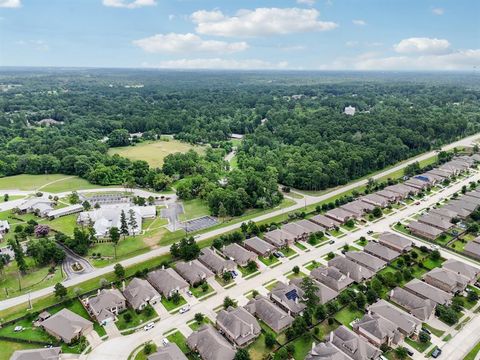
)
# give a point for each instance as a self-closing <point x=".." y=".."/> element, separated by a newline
<point x="440" y="220"/>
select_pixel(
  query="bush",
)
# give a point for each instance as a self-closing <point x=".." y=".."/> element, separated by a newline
<point x="127" y="317"/>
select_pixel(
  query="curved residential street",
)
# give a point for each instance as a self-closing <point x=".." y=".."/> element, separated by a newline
<point x="299" y="203"/>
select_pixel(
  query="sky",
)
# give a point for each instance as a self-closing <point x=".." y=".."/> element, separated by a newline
<point x="242" y="34"/>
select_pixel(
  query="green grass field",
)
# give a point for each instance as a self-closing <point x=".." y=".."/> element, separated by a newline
<point x="59" y="183"/>
<point x="9" y="347"/>
<point x="154" y="152"/>
<point x="194" y="209"/>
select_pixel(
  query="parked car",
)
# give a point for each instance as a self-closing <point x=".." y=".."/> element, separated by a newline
<point x="189" y="293"/>
<point x="280" y="254"/>
<point x="426" y="330"/>
<point x="331" y="242"/>
<point x="18" y="328"/>
<point x="165" y="342"/>
<point x="436" y="353"/>
<point x="184" y="309"/>
<point x="149" y="326"/>
<point x="370" y="232"/>
<point x="409" y="351"/>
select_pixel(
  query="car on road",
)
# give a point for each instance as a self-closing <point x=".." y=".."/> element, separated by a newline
<point x="165" y="342"/>
<point x="149" y="326"/>
<point x="370" y="232"/>
<point x="331" y="242"/>
<point x="436" y="353"/>
<point x="184" y="309"/>
<point x="417" y="202"/>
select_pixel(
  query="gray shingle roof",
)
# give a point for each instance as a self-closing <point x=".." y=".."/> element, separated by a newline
<point x="326" y="351"/>
<point x="239" y="325"/>
<point x="324" y="293"/>
<point x="215" y="262"/>
<point x="288" y="296"/>
<point x="193" y="271"/>
<point x="279" y="237"/>
<point x="37" y="354"/>
<point x="353" y="270"/>
<point x="415" y="305"/>
<point x="362" y="258"/>
<point x="138" y="292"/>
<point x="459" y="267"/>
<point x="171" y="351"/>
<point x="436" y="221"/>
<point x="428" y="291"/>
<point x="239" y="254"/>
<point x="395" y="241"/>
<point x="166" y="281"/>
<point x="105" y="300"/>
<point x="377" y="326"/>
<point x="210" y="344"/>
<point x="259" y="246"/>
<point x="353" y="345"/>
<point x="324" y="221"/>
<point x="67" y="325"/>
<point x="269" y="313"/>
<point x="405" y="322"/>
<point x="449" y="279"/>
<point x="381" y="251"/>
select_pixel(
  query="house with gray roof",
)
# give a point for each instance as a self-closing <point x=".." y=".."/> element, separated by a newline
<point x="37" y="354"/>
<point x="356" y="208"/>
<point x="389" y="195"/>
<point x="416" y="183"/>
<point x="272" y="315"/>
<point x="311" y="227"/>
<point x="444" y="213"/>
<point x="375" y="200"/>
<point x="460" y="211"/>
<point x="139" y="293"/>
<point x="419" y="307"/>
<point x="427" y="291"/>
<point x="351" y="269"/>
<point x="395" y="242"/>
<point x="210" y="345"/>
<point x="324" y="293"/>
<point x="340" y="215"/>
<point x="446" y="280"/>
<point x="331" y="277"/>
<point x="193" y="271"/>
<point x="378" y="330"/>
<point x="405" y="322"/>
<point x="402" y="190"/>
<point x="381" y="252"/>
<point x="67" y="326"/>
<point x="441" y="173"/>
<point x="215" y="262"/>
<point x="325" y="351"/>
<point x="472" y="248"/>
<point x="4" y="228"/>
<point x="472" y="199"/>
<point x="259" y="246"/>
<point x="325" y="222"/>
<point x="167" y="282"/>
<point x="67" y="210"/>
<point x="279" y="238"/>
<point x="353" y="345"/>
<point x="299" y="232"/>
<point x="239" y="254"/>
<point x="171" y="351"/>
<point x="473" y="193"/>
<point x="435" y="221"/>
<point x="106" y="305"/>
<point x="238" y="326"/>
<point x="461" y="268"/>
<point x="424" y="230"/>
<point x="37" y="205"/>
<point x="363" y="259"/>
<point x="288" y="297"/>
<point x="463" y="203"/>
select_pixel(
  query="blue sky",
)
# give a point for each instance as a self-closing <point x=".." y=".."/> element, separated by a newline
<point x="244" y="34"/>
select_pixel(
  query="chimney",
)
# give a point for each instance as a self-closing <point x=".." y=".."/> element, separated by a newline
<point x="251" y="328"/>
<point x="123" y="285"/>
<point x="190" y="263"/>
<point x="331" y="336"/>
<point x="391" y="293"/>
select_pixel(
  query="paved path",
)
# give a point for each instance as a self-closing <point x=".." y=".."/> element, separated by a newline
<point x="299" y="203"/>
<point x="119" y="349"/>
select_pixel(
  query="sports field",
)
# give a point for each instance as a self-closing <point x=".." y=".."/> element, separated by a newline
<point x="49" y="183"/>
<point x="154" y="152"/>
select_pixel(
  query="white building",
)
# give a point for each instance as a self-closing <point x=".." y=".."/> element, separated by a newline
<point x="4" y="228"/>
<point x="349" y="110"/>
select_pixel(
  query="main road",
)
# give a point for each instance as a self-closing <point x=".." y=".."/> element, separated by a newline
<point x="299" y="203"/>
<point x="119" y="348"/>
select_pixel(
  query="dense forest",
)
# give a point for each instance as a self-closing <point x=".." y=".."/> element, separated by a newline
<point x="295" y="131"/>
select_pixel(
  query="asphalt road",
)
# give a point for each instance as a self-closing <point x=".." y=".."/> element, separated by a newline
<point x="299" y="203"/>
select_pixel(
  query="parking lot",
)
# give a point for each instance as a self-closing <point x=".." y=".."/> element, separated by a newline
<point x="199" y="223"/>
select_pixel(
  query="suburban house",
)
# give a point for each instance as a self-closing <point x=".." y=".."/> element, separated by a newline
<point x="353" y="345"/>
<point x="446" y="280"/>
<point x="325" y="222"/>
<point x="416" y="183"/>
<point x="288" y="297"/>
<point x="441" y="173"/>
<point x="324" y="293"/>
<point x="461" y="268"/>
<point x="375" y="200"/>
<point x="402" y="190"/>
<point x="210" y="345"/>
<point x="215" y="262"/>
<point x="429" y="178"/>
<point x="279" y="238"/>
<point x="355" y="208"/>
<point x="299" y="232"/>
<point x="67" y="326"/>
<point x="139" y="293"/>
<point x="351" y="269"/>
<point x="427" y="291"/>
<point x="239" y="254"/>
<point x="444" y="213"/>
<point x="105" y="306"/>
<point x="4" y="228"/>
<point x="38" y="205"/>
<point x="259" y="246"/>
<point x="171" y="351"/>
<point x="311" y="227"/>
<point x="471" y="199"/>
<point x="37" y="354"/>
<point x="435" y="221"/>
<point x="405" y="322"/>
<point x="472" y="248"/>
<point x="474" y="193"/>
<point x="167" y="282"/>
<point x="420" y="308"/>
<point x="272" y="315"/>
<point x="325" y="351"/>
<point x="363" y="259"/>
<point x="424" y="230"/>
<point x="109" y="216"/>
<point x="464" y="204"/>
<point x="461" y="212"/>
<point x="395" y="242"/>
<point x="331" y="277"/>
<point x="381" y="251"/>
<point x="378" y="330"/>
<point x="340" y="215"/>
<point x="67" y="210"/>
<point x="238" y="326"/>
<point x="389" y="195"/>
<point x="193" y="271"/>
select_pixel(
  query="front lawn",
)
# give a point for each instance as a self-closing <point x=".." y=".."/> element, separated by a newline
<point x="300" y="246"/>
<point x="417" y="345"/>
<point x="137" y="319"/>
<point x="198" y="291"/>
<point x="222" y="282"/>
<point x="195" y="325"/>
<point x="268" y="261"/>
<point x="434" y="331"/>
<point x="170" y="305"/>
<point x="288" y="252"/>
<point x="179" y="339"/>
<point x="300" y="275"/>
<point x="313" y="265"/>
<point x="246" y="271"/>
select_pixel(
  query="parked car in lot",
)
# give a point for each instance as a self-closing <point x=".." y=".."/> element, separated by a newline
<point x="149" y="326"/>
<point x="436" y="353"/>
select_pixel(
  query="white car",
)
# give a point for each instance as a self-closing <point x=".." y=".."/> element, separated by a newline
<point x="18" y="328"/>
<point x="184" y="309"/>
<point x="165" y="342"/>
<point x="189" y="293"/>
<point x="149" y="326"/>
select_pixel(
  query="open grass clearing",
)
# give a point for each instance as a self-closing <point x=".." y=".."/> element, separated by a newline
<point x="194" y="209"/>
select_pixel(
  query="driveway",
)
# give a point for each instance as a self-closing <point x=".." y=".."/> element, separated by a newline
<point x="72" y="258"/>
<point x="112" y="330"/>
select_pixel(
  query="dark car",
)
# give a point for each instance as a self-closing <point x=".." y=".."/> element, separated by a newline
<point x="409" y="352"/>
<point x="436" y="353"/>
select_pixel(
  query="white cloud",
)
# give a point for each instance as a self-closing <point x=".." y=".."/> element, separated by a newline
<point x="359" y="22"/>
<point x="306" y="2"/>
<point x="38" y="45"/>
<point x="456" y="60"/>
<point x="171" y="17"/>
<point x="129" y="4"/>
<point x="438" y="11"/>
<point x="219" y="63"/>
<point x="422" y="45"/>
<point x="10" y="3"/>
<point x="185" y="43"/>
<point x="261" y="21"/>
